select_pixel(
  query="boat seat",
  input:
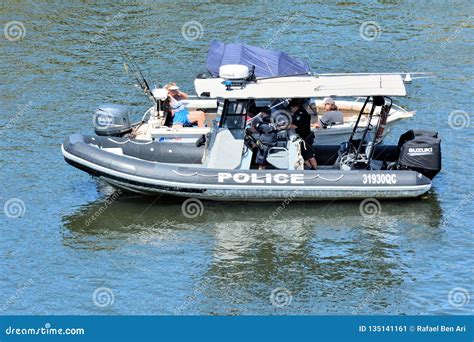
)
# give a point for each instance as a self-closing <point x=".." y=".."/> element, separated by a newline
<point x="288" y="157"/>
<point x="278" y="157"/>
<point x="225" y="150"/>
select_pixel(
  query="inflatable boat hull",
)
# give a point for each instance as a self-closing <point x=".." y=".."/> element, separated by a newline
<point x="185" y="178"/>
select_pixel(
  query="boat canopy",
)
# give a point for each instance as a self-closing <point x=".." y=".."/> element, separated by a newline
<point x="305" y="87"/>
<point x="268" y="63"/>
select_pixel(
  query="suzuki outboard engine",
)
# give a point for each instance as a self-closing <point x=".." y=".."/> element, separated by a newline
<point x="112" y="120"/>
<point x="420" y="151"/>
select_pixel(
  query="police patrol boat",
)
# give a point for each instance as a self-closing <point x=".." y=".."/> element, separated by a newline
<point x="222" y="167"/>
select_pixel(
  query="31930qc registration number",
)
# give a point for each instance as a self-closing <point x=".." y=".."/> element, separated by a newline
<point x="379" y="178"/>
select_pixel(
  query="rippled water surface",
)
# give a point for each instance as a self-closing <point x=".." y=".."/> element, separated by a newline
<point x="416" y="257"/>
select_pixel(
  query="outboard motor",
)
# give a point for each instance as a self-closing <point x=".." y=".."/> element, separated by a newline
<point x="420" y="151"/>
<point x="112" y="120"/>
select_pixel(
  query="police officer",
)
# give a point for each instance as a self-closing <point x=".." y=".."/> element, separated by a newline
<point x="301" y="123"/>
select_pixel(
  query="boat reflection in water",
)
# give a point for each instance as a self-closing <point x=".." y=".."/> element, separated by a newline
<point x="232" y="256"/>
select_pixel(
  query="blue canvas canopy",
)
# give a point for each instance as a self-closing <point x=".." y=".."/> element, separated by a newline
<point x="267" y="63"/>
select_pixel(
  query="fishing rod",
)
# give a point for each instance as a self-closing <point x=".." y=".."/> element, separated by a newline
<point x="132" y="65"/>
<point x="156" y="95"/>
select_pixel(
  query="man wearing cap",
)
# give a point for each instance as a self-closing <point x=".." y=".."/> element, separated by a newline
<point x="301" y="123"/>
<point x="331" y="115"/>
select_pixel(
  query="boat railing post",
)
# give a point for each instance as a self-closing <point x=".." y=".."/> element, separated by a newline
<point x="358" y="119"/>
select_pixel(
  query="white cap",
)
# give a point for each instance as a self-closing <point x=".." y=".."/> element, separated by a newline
<point x="173" y="87"/>
<point x="328" y="100"/>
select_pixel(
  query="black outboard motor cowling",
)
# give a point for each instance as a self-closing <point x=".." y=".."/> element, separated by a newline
<point x="112" y="120"/>
<point x="420" y="151"/>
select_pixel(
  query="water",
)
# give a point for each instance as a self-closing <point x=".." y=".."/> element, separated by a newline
<point x="316" y="258"/>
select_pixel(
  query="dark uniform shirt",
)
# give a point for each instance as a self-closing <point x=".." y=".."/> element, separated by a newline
<point x="302" y="121"/>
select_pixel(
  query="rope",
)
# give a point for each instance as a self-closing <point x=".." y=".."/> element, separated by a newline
<point x="131" y="141"/>
<point x="299" y="162"/>
<point x="326" y="179"/>
<point x="193" y="174"/>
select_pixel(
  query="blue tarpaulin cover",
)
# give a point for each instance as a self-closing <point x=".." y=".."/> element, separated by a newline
<point x="267" y="63"/>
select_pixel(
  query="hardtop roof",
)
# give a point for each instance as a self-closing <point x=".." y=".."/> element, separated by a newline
<point x="306" y="86"/>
